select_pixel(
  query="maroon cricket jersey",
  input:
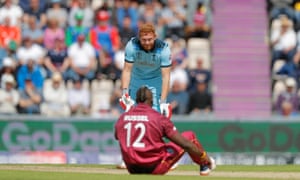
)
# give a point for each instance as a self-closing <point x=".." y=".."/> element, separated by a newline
<point x="140" y="132"/>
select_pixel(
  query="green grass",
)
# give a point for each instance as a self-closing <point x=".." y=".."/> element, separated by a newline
<point x="248" y="168"/>
<point x="273" y="168"/>
<point x="18" y="174"/>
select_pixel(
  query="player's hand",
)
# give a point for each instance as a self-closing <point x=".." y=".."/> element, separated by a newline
<point x="166" y="110"/>
<point x="126" y="102"/>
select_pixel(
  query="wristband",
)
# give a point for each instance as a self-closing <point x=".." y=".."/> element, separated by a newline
<point x="203" y="155"/>
<point x="124" y="91"/>
<point x="163" y="101"/>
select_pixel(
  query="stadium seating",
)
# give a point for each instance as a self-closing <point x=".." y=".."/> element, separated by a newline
<point x="100" y="92"/>
<point x="198" y="47"/>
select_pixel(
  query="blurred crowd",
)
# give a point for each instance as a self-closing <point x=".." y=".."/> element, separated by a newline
<point x="65" y="57"/>
<point x="285" y="55"/>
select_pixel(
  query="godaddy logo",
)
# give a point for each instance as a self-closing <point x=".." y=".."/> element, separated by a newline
<point x="276" y="138"/>
<point x="19" y="136"/>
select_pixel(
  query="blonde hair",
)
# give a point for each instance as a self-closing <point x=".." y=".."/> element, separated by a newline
<point x="146" y="28"/>
<point x="284" y="20"/>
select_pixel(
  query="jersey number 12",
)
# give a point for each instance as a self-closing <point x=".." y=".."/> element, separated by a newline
<point x="137" y="143"/>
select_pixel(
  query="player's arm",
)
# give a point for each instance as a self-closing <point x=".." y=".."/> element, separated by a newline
<point x="126" y="74"/>
<point x="166" y="63"/>
<point x="128" y="64"/>
<point x="165" y="82"/>
<point x="187" y="145"/>
<point x="125" y="101"/>
<point x="165" y="72"/>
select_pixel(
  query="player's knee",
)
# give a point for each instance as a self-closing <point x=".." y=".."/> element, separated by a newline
<point x="189" y="135"/>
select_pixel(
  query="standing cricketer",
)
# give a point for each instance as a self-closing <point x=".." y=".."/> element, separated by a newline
<point x="147" y="62"/>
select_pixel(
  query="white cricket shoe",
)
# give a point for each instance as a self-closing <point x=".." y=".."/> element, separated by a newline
<point x="122" y="165"/>
<point x="174" y="166"/>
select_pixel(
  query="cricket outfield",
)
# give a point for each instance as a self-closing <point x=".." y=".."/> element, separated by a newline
<point x="93" y="172"/>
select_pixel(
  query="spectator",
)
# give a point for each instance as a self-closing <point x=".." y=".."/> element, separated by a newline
<point x="88" y="14"/>
<point x="291" y="69"/>
<point x="200" y="27"/>
<point x="9" y="96"/>
<point x="30" y="51"/>
<point x="297" y="14"/>
<point x="127" y="32"/>
<point x="105" y="36"/>
<point x="178" y="99"/>
<point x="107" y="68"/>
<point x="55" y="98"/>
<point x="72" y="32"/>
<point x="283" y="41"/>
<point x="30" y="98"/>
<point x="79" y="98"/>
<point x="9" y="51"/>
<point x="180" y="75"/>
<point x="128" y="9"/>
<point x="57" y="59"/>
<point x="8" y="69"/>
<point x="198" y="74"/>
<point x="12" y="11"/>
<point x="72" y="4"/>
<point x="52" y="32"/>
<point x="82" y="59"/>
<point x="9" y="32"/>
<point x="31" y="30"/>
<point x="150" y="12"/>
<point x="287" y="109"/>
<point x="174" y="17"/>
<point x="3" y="54"/>
<point x="30" y="70"/>
<point x="96" y="5"/>
<point x="200" y="101"/>
<point x="179" y="52"/>
<point x="280" y="7"/>
<point x="289" y="95"/>
<point x="25" y="4"/>
<point x="57" y="11"/>
<point x="36" y="8"/>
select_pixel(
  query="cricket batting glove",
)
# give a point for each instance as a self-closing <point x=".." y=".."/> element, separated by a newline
<point x="166" y="109"/>
<point x="125" y="101"/>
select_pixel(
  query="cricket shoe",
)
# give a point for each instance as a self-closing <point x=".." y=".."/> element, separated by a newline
<point x="122" y="165"/>
<point x="174" y="166"/>
<point x="205" y="169"/>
